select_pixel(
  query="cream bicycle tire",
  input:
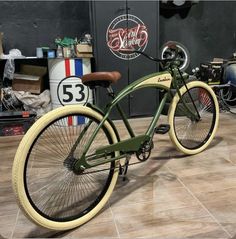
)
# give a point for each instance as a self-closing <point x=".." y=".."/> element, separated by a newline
<point x="20" y="160"/>
<point x="171" y="118"/>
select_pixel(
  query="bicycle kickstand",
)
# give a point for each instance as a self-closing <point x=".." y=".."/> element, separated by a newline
<point x="124" y="168"/>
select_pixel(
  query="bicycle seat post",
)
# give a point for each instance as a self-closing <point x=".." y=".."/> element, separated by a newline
<point x="110" y="92"/>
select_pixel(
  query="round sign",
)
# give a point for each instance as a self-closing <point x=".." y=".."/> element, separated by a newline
<point x="126" y="33"/>
<point x="70" y="90"/>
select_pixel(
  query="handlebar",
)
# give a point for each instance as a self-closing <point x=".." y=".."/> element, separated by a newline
<point x="164" y="61"/>
<point x="149" y="57"/>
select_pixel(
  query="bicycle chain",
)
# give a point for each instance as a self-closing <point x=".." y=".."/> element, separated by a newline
<point x="111" y="168"/>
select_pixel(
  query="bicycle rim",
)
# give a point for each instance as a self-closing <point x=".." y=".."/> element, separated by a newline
<point x="52" y="188"/>
<point x="183" y="55"/>
<point x="191" y="133"/>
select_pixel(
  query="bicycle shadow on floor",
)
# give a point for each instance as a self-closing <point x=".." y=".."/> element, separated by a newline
<point x="234" y="237"/>
<point x="137" y="177"/>
<point x="216" y="141"/>
<point x="133" y="173"/>
<point x="122" y="189"/>
<point x="153" y="170"/>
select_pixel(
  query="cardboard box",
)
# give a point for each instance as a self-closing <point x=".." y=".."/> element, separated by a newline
<point x="30" y="79"/>
<point x="1" y="36"/>
<point x="84" y="50"/>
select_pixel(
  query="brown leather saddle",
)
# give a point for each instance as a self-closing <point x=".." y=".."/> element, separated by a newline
<point x="104" y="79"/>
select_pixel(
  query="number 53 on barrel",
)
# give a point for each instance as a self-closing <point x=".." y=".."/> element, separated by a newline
<point x="71" y="91"/>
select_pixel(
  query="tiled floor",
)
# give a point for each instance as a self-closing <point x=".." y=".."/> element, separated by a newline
<point x="168" y="196"/>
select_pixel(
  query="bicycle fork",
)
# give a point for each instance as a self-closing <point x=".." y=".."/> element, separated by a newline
<point x="194" y="116"/>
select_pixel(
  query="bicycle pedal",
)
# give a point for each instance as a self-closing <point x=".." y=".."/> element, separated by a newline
<point x="162" y="129"/>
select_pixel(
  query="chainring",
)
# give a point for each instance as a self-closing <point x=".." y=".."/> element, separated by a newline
<point x="145" y="151"/>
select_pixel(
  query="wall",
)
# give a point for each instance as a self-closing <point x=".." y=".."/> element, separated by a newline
<point x="30" y="24"/>
<point x="208" y="29"/>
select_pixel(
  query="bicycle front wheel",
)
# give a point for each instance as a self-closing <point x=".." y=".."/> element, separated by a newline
<point x="189" y="134"/>
<point x="49" y="192"/>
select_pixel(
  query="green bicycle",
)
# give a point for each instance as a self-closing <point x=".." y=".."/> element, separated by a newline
<point x="67" y="164"/>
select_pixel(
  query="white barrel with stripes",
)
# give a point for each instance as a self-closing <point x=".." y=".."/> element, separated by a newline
<point x="65" y="81"/>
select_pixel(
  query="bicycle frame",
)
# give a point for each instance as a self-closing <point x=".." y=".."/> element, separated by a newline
<point x="159" y="80"/>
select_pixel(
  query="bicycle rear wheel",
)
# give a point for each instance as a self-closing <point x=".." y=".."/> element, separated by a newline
<point x="47" y="189"/>
<point x="189" y="135"/>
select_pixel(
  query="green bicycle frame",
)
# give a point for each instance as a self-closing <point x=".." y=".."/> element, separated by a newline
<point x="160" y="80"/>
